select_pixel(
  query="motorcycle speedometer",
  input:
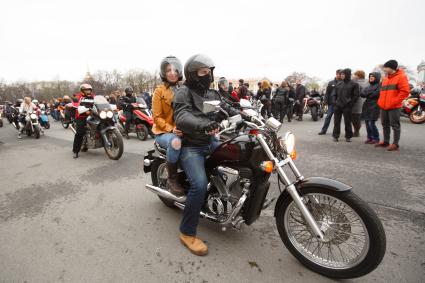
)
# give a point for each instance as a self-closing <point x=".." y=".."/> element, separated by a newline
<point x="109" y="114"/>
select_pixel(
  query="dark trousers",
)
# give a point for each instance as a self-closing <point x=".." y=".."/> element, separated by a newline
<point x="80" y="128"/>
<point x="267" y="108"/>
<point x="391" y="118"/>
<point x="280" y="109"/>
<point x="328" y="118"/>
<point x="128" y="117"/>
<point x="299" y="109"/>
<point x="357" y="122"/>
<point x="372" y="130"/>
<point x="338" y="113"/>
<point x="288" y="111"/>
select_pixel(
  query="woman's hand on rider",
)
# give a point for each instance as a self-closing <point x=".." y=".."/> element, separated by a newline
<point x="177" y="132"/>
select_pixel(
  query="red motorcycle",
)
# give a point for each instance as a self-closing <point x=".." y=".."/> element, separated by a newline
<point x="142" y="121"/>
<point x="414" y="107"/>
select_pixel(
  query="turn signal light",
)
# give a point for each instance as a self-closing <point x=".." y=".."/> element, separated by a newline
<point x="293" y="154"/>
<point x="267" y="166"/>
<point x="254" y="132"/>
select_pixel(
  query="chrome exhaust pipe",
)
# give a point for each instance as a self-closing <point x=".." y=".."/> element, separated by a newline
<point x="166" y="194"/>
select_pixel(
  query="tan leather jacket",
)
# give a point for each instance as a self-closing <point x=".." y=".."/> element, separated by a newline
<point x="162" y="110"/>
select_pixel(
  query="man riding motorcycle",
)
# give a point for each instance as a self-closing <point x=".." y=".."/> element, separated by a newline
<point x="199" y="130"/>
<point x="126" y="104"/>
<point x="85" y="98"/>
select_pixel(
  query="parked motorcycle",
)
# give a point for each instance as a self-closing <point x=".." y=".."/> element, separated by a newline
<point x="315" y="105"/>
<point x="44" y="118"/>
<point x="414" y="107"/>
<point x="142" y="121"/>
<point x="29" y="121"/>
<point x="101" y="129"/>
<point x="325" y="225"/>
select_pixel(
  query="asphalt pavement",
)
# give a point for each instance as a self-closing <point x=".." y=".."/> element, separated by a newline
<point x="91" y="219"/>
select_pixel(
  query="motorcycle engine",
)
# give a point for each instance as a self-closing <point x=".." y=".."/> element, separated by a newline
<point x="225" y="189"/>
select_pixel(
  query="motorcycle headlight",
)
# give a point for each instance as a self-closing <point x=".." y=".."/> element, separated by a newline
<point x="109" y="114"/>
<point x="33" y="116"/>
<point x="287" y="143"/>
<point x="102" y="115"/>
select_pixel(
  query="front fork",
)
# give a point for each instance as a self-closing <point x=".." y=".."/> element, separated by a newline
<point x="290" y="187"/>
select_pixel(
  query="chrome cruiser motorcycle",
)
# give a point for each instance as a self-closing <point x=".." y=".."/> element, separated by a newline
<point x="321" y="221"/>
<point x="101" y="128"/>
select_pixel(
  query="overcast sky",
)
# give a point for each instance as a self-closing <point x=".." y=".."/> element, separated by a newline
<point x="50" y="39"/>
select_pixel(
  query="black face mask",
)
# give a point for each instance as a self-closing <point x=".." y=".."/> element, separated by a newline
<point x="204" y="82"/>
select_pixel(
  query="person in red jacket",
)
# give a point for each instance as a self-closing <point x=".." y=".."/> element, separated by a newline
<point x="85" y="99"/>
<point x="395" y="88"/>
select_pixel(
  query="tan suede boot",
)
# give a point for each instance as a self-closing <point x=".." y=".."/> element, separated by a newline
<point x="194" y="244"/>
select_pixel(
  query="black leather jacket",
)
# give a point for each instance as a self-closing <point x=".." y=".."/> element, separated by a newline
<point x="189" y="117"/>
<point x="126" y="102"/>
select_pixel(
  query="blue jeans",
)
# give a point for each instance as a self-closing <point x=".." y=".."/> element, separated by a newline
<point x="328" y="118"/>
<point x="164" y="140"/>
<point x="372" y="130"/>
<point x="192" y="159"/>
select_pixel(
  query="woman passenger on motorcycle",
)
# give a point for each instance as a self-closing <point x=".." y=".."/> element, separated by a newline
<point x="166" y="134"/>
<point x="26" y="106"/>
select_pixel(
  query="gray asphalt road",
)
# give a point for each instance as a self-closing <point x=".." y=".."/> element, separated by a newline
<point x="91" y="220"/>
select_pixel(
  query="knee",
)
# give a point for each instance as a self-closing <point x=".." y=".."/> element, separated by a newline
<point x="176" y="143"/>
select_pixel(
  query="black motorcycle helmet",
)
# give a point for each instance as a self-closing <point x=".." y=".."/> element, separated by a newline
<point x="175" y="63"/>
<point x="19" y="102"/>
<point x="128" y="91"/>
<point x="193" y="64"/>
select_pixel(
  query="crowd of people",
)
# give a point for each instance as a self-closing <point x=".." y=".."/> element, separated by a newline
<point x="355" y="99"/>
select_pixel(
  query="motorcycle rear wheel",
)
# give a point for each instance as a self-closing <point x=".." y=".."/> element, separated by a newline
<point x="47" y="125"/>
<point x="339" y="215"/>
<point x="159" y="176"/>
<point x="65" y="125"/>
<point x="417" y="118"/>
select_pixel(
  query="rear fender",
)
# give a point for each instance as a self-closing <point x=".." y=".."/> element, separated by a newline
<point x="314" y="182"/>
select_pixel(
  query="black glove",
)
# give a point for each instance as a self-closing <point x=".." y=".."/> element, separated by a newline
<point x="211" y="126"/>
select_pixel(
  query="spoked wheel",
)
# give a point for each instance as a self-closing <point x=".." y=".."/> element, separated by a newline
<point x="117" y="145"/>
<point x="159" y="178"/>
<point x="354" y="239"/>
<point x="417" y="116"/>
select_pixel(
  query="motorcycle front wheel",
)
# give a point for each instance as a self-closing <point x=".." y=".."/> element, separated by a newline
<point x="142" y="132"/>
<point x="354" y="239"/>
<point x="417" y="116"/>
<point x="36" y="131"/>
<point x="116" y="150"/>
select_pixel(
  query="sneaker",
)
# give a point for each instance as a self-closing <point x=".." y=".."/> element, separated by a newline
<point x="321" y="133"/>
<point x="382" y="144"/>
<point x="19" y="136"/>
<point x="392" y="147"/>
<point x="348" y="140"/>
<point x="335" y="139"/>
<point x="194" y="244"/>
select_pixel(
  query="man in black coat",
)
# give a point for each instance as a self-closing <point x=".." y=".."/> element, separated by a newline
<point x="346" y="92"/>
<point x="329" y="100"/>
<point x="300" y="93"/>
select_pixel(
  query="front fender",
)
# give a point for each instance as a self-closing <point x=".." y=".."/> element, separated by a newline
<point x="314" y="182"/>
<point x="103" y="134"/>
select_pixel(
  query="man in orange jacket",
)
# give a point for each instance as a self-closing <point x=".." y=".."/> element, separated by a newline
<point x="395" y="88"/>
